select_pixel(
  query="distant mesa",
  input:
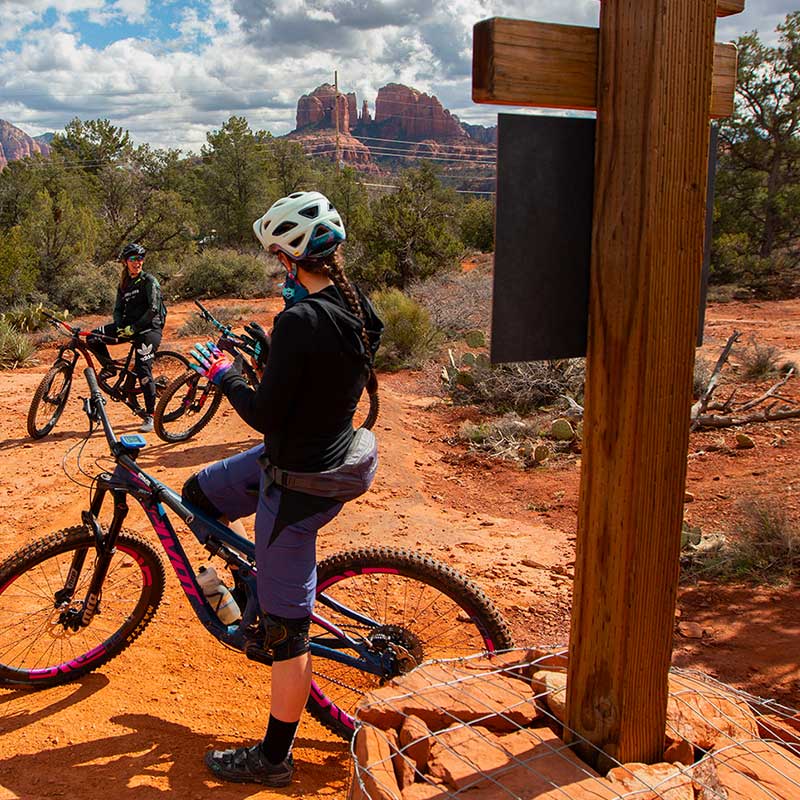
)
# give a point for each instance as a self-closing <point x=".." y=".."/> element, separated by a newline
<point x="16" y="144"/>
<point x="402" y="114"/>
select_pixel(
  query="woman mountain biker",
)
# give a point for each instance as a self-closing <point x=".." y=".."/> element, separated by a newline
<point x="320" y="356"/>
<point x="139" y="314"/>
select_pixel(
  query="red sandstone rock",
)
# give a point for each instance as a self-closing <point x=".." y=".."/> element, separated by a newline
<point x="425" y="791"/>
<point x="679" y="751"/>
<point x="417" y="115"/>
<point x="317" y="109"/>
<point x="374" y="756"/>
<point x="415" y="740"/>
<point x="782" y="730"/>
<point x="440" y="693"/>
<point x="365" y="117"/>
<point x="706" y="715"/>
<point x="651" y="782"/>
<point x="758" y="771"/>
<point x="553" y="686"/>
<point x="16" y="144"/>
<point x="473" y="761"/>
<point x="352" y="151"/>
<point x="352" y="111"/>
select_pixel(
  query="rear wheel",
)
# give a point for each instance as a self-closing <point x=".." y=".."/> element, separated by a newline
<point x="42" y="641"/>
<point x="49" y="399"/>
<point x="185" y="407"/>
<point x="410" y="606"/>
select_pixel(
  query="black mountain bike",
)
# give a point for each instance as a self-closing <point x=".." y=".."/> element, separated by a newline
<point x="189" y="403"/>
<point x="72" y="600"/>
<point x="50" y="397"/>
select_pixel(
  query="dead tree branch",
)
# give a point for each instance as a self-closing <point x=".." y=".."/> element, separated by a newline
<point x="699" y="408"/>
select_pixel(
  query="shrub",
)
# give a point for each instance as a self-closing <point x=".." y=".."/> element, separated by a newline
<point x="195" y="325"/>
<point x="758" y="361"/>
<point x="518" y="387"/>
<point x="457" y="301"/>
<point x="508" y="437"/>
<point x="215" y="273"/>
<point x="702" y="375"/>
<point x="766" y="543"/>
<point x="763" y="546"/>
<point x="15" y="347"/>
<point x="476" y="225"/>
<point x="409" y="337"/>
<point x="27" y="319"/>
<point x="86" y="289"/>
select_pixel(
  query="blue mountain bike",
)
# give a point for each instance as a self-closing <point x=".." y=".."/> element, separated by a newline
<point x="72" y="600"/>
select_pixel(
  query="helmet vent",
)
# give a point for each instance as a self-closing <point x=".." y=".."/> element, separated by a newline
<point x="296" y="242"/>
<point x="284" y="227"/>
<point x="310" y="212"/>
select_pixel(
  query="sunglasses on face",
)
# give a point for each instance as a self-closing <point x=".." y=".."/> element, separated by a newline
<point x="135" y="258"/>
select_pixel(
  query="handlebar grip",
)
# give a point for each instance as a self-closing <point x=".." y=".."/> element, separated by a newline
<point x="91" y="379"/>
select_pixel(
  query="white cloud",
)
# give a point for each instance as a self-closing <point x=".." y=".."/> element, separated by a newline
<point x="256" y="58"/>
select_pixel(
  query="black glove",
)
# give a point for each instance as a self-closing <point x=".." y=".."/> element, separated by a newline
<point x="226" y="345"/>
<point x="261" y="338"/>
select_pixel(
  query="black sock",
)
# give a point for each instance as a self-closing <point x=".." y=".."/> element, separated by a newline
<point x="278" y="739"/>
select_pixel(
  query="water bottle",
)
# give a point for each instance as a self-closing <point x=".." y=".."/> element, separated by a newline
<point x="218" y="595"/>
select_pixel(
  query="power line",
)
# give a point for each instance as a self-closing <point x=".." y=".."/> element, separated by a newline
<point x="489" y="148"/>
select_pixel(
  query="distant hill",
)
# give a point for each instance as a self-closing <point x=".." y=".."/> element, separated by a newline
<point x="406" y="122"/>
<point x="15" y="143"/>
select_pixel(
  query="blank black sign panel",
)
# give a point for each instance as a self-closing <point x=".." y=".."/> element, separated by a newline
<point x="543" y="233"/>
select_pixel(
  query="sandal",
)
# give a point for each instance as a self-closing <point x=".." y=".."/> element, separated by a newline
<point x="248" y="765"/>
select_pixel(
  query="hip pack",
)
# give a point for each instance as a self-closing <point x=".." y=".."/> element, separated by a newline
<point x="347" y="481"/>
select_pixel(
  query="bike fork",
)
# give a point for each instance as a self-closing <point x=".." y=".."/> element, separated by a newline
<point x="105" y="545"/>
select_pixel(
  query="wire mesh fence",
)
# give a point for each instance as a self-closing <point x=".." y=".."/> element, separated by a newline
<point x="481" y="728"/>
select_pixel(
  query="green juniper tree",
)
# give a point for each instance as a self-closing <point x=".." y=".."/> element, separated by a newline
<point x="758" y="178"/>
<point x="411" y="234"/>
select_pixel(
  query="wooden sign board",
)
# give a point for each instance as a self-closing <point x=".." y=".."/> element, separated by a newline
<point x="523" y="63"/>
<point x="543" y="232"/>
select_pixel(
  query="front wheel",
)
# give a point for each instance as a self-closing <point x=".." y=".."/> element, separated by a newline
<point x="186" y="407"/>
<point x="49" y="399"/>
<point x="397" y="601"/>
<point x="42" y="642"/>
<point x="167" y="367"/>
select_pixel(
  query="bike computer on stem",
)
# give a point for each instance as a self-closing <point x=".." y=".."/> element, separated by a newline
<point x="132" y="441"/>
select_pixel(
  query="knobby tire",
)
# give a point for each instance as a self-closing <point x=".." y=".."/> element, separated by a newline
<point x="185" y="389"/>
<point x="41" y="395"/>
<point x="38" y="651"/>
<point x="419" y="603"/>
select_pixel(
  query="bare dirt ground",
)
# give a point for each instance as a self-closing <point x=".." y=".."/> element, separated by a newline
<point x="139" y="726"/>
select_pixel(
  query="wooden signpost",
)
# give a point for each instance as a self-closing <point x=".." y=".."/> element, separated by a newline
<point x="655" y="77"/>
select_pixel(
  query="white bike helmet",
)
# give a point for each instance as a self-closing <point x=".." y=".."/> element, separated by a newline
<point x="302" y="225"/>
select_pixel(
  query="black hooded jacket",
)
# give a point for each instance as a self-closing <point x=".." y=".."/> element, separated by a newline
<point x="313" y="379"/>
<point x="139" y="304"/>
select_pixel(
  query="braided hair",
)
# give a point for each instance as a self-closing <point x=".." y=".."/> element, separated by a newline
<point x="332" y="266"/>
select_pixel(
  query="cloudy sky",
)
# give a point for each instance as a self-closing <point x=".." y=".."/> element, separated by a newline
<point x="171" y="70"/>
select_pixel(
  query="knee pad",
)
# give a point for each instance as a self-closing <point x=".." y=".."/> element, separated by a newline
<point x="286" y="638"/>
<point x="193" y="493"/>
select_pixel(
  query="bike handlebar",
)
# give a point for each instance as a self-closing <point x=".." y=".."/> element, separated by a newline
<point x="244" y="342"/>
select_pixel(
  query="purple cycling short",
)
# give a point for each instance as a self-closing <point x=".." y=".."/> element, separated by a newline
<point x="285" y="530"/>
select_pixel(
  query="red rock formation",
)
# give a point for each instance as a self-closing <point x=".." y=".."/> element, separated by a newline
<point x="316" y="109"/>
<point x="352" y="111"/>
<point x="16" y="144"/>
<point x="323" y="144"/>
<point x="415" y="115"/>
<point x="365" y="117"/>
